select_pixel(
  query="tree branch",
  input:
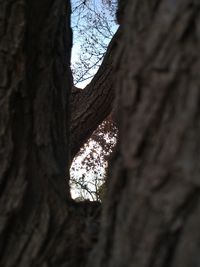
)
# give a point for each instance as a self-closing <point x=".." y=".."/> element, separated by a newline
<point x="93" y="104"/>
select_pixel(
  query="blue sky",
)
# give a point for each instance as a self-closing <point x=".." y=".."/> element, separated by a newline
<point x="78" y="18"/>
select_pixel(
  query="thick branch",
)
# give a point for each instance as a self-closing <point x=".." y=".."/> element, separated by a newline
<point x="93" y="104"/>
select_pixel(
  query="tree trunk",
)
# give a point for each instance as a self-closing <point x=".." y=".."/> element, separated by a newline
<point x="89" y="107"/>
<point x="151" y="215"/>
<point x="39" y="224"/>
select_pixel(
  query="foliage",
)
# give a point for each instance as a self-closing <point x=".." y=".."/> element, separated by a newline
<point x="89" y="168"/>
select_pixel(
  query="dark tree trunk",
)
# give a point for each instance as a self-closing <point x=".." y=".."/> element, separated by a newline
<point x="152" y="211"/>
<point x="35" y="83"/>
<point x="39" y="225"/>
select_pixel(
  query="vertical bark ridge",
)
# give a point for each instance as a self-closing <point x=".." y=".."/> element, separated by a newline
<point x="151" y="212"/>
<point x="34" y="146"/>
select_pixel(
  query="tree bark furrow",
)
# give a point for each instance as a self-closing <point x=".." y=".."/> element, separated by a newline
<point x="159" y="143"/>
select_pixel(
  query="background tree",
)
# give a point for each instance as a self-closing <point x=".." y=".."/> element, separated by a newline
<point x="93" y="24"/>
<point x="89" y="167"/>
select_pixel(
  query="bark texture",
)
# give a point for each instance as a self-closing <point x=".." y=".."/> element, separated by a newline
<point x="151" y="215"/>
<point x="89" y="107"/>
<point x="39" y="225"/>
<point x="35" y="85"/>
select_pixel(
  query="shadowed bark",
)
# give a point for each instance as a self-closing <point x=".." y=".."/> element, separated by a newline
<point x="38" y="221"/>
<point x="35" y="85"/>
<point x="152" y="212"/>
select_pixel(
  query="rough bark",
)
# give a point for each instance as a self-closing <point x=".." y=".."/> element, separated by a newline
<point x="152" y="210"/>
<point x="89" y="107"/>
<point x="39" y="224"/>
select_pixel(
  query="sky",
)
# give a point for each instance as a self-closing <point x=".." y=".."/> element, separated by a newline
<point x="93" y="27"/>
<point x="74" y="58"/>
